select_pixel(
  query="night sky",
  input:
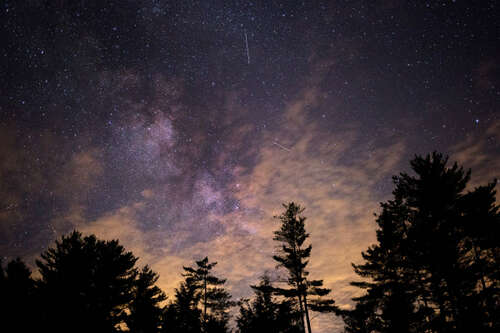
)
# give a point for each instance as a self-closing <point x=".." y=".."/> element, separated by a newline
<point x="180" y="127"/>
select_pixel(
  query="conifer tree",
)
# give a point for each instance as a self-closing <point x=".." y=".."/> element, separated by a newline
<point x="435" y="266"/>
<point x="145" y="309"/>
<point x="266" y="314"/>
<point x="183" y="315"/>
<point x="214" y="300"/>
<point x="17" y="297"/>
<point x="86" y="284"/>
<point x="293" y="256"/>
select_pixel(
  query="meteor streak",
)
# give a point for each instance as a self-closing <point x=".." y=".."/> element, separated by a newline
<point x="246" y="44"/>
<point x="277" y="144"/>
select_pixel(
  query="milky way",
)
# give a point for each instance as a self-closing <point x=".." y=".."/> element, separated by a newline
<point x="149" y="122"/>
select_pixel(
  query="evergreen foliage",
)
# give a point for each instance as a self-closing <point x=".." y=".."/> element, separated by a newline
<point x="17" y="297"/>
<point x="293" y="256"/>
<point x="183" y="315"/>
<point x="435" y="265"/>
<point x="145" y="309"/>
<point x="265" y="314"/>
<point x="86" y="284"/>
<point x="201" y="303"/>
<point x="214" y="300"/>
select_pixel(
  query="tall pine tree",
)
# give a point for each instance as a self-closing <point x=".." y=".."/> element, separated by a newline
<point x="293" y="256"/>
<point x="214" y="300"/>
<point x="435" y="266"/>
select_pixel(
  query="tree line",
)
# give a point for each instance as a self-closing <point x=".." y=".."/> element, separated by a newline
<point x="436" y="264"/>
<point x="434" y="268"/>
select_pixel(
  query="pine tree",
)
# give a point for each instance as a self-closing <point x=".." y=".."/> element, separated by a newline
<point x="145" y="309"/>
<point x="17" y="297"/>
<point x="265" y="314"/>
<point x="481" y="253"/>
<point x="183" y="315"/>
<point x="293" y="257"/>
<point x="435" y="266"/>
<point x="214" y="299"/>
<point x="86" y="284"/>
<point x="389" y="305"/>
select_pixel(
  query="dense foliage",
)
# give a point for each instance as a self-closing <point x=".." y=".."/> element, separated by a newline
<point x="86" y="283"/>
<point x="265" y="312"/>
<point x="435" y="267"/>
<point x="201" y="302"/>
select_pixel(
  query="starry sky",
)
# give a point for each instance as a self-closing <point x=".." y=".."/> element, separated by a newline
<point x="179" y="127"/>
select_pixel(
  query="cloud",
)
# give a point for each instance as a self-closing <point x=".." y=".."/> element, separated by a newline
<point x="340" y="192"/>
<point x="79" y="175"/>
<point x="41" y="182"/>
<point x="221" y="204"/>
<point x="479" y="152"/>
<point x="316" y="170"/>
<point x="486" y="76"/>
<point x="121" y="224"/>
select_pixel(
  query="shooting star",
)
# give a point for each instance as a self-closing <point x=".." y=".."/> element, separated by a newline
<point x="246" y="44"/>
<point x="284" y="148"/>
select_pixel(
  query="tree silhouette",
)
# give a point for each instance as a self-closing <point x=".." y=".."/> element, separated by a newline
<point x="17" y="297"/>
<point x="86" y="284"/>
<point x="214" y="299"/>
<point x="201" y="303"/>
<point x="145" y="310"/>
<point x="265" y="314"/>
<point x="390" y="297"/>
<point x="183" y="315"/>
<point x="435" y="266"/>
<point x="293" y="256"/>
<point x="480" y="252"/>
